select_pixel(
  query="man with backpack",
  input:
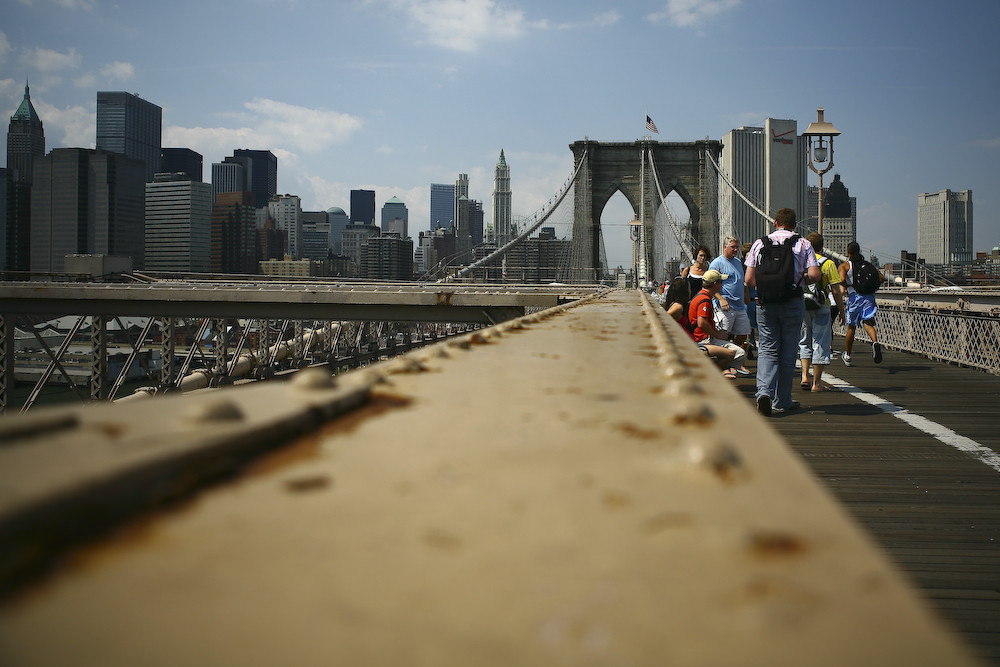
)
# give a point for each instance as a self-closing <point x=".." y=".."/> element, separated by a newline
<point x="817" y="329"/>
<point x="779" y="265"/>
<point x="862" y="279"/>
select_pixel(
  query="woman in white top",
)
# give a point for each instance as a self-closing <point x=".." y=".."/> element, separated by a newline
<point x="694" y="273"/>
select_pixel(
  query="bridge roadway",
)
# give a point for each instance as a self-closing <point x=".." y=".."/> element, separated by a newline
<point x="578" y="486"/>
<point x="910" y="448"/>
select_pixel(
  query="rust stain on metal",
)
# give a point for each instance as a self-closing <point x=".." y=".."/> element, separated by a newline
<point x="308" y="446"/>
<point x="616" y="500"/>
<point x="109" y="429"/>
<point x="444" y="298"/>
<point x="308" y="483"/>
<point x="775" y="544"/>
<point x="634" y="431"/>
<point x="442" y="540"/>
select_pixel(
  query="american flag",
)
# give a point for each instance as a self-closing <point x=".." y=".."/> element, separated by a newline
<point x="650" y="125"/>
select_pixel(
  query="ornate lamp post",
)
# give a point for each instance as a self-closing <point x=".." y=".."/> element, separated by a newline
<point x="635" y="232"/>
<point x="817" y="152"/>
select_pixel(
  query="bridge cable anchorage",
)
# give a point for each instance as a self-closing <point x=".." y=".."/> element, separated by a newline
<point x="540" y="217"/>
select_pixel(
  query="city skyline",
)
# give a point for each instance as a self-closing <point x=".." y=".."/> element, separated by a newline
<point x="333" y="116"/>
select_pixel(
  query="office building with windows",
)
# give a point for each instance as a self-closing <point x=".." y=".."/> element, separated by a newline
<point x="362" y="207"/>
<point x="25" y="140"/>
<point x="178" y="224"/>
<point x="182" y="160"/>
<point x="502" y="202"/>
<point x="944" y="227"/>
<point x="840" y="215"/>
<point x="25" y="144"/>
<point x="286" y="211"/>
<point x="387" y="257"/>
<point x="234" y="233"/>
<point x="461" y="190"/>
<point x="260" y="173"/>
<point x="86" y="201"/>
<point x="442" y="205"/>
<point x="131" y="126"/>
<point x="338" y="220"/>
<point x="395" y="218"/>
<point x="768" y="165"/>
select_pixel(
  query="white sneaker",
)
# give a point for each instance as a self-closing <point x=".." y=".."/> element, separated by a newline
<point x="847" y="359"/>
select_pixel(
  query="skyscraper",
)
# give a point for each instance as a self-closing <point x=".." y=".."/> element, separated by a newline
<point x="130" y="125"/>
<point x="234" y="234"/>
<point x="286" y="211"/>
<point x="25" y="140"/>
<point x="442" y="205"/>
<point x="840" y="215"/>
<point x="182" y="160"/>
<point x="25" y="144"/>
<point x="944" y="227"/>
<point x="363" y="207"/>
<point x="502" y="201"/>
<point x="86" y="201"/>
<point x="338" y="223"/>
<point x="461" y="190"/>
<point x="178" y="224"/>
<point x="229" y="177"/>
<point x="260" y="171"/>
<point x="768" y="165"/>
<point x="395" y="218"/>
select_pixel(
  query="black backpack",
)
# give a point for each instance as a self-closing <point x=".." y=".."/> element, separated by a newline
<point x="866" y="278"/>
<point x="775" y="272"/>
<point x="815" y="294"/>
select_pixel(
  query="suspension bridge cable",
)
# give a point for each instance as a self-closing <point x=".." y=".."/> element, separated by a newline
<point x="540" y="217"/>
<point x="685" y="241"/>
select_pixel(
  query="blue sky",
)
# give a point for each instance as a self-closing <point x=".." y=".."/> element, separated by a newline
<point x="397" y="94"/>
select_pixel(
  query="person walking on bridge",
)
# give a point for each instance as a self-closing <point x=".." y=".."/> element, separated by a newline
<point x="817" y="327"/>
<point x="778" y="270"/>
<point x="861" y="306"/>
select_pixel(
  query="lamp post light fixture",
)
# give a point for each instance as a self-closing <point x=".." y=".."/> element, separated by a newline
<point x="635" y="232"/>
<point x="821" y="152"/>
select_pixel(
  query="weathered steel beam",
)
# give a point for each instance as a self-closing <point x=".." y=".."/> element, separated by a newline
<point x="455" y="303"/>
<point x="578" y="486"/>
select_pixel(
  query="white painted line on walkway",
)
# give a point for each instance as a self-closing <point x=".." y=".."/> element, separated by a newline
<point x="942" y="433"/>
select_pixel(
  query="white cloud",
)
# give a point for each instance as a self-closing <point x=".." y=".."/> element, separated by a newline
<point x="308" y="129"/>
<point x="991" y="143"/>
<point x="462" y="25"/>
<point x="10" y="89"/>
<point x="602" y="20"/>
<point x="4" y="48"/>
<point x="384" y="150"/>
<point x="77" y="4"/>
<point x="683" y="13"/>
<point x="48" y="60"/>
<point x="73" y="127"/>
<point x="118" y="71"/>
<point x="284" y="129"/>
<point x="86" y="81"/>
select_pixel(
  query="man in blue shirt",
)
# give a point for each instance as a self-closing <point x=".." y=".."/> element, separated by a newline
<point x="734" y="295"/>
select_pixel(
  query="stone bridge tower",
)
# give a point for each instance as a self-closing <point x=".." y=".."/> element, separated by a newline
<point x="610" y="167"/>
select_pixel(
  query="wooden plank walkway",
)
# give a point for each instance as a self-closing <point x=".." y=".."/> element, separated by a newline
<point x="935" y="509"/>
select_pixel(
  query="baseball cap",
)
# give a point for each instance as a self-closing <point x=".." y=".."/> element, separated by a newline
<point x="712" y="276"/>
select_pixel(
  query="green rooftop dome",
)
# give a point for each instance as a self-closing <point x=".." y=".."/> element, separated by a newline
<point x="335" y="210"/>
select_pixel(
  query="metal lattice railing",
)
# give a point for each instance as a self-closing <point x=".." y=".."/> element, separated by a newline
<point x="968" y="339"/>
